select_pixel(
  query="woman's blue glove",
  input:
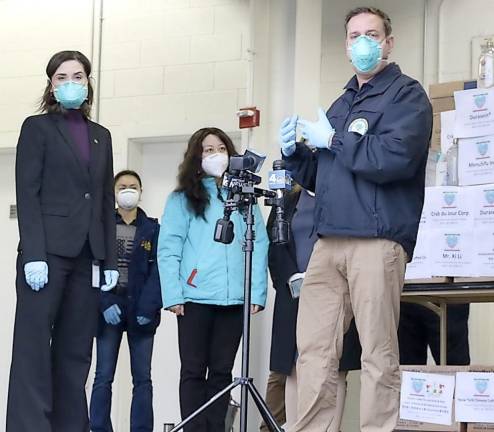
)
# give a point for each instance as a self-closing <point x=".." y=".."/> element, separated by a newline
<point x="141" y="320"/>
<point x="287" y="135"/>
<point x="112" y="315"/>
<point x="36" y="273"/>
<point x="111" y="279"/>
<point x="319" y="133"/>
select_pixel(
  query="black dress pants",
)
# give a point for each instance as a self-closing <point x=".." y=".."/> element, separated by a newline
<point x="208" y="337"/>
<point x="419" y="328"/>
<point x="53" y="338"/>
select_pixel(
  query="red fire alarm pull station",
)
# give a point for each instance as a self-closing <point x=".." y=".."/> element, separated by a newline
<point x="248" y="117"/>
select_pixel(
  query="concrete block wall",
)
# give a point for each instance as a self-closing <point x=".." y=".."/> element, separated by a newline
<point x="168" y="66"/>
<point x="30" y="32"/>
<point x="171" y="67"/>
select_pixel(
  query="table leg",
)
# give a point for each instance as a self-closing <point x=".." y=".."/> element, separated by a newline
<point x="443" y="332"/>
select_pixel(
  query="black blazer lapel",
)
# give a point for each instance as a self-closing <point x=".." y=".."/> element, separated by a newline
<point x="96" y="146"/>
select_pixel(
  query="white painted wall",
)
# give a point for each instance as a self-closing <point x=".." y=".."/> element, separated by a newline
<point x="172" y="66"/>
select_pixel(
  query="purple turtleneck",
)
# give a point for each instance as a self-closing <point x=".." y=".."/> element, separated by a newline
<point x="78" y="129"/>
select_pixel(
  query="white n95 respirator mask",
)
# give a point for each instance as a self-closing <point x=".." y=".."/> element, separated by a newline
<point x="216" y="164"/>
<point x="128" y="198"/>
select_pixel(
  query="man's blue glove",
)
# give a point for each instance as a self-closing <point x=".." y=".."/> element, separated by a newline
<point x="319" y="133"/>
<point x="36" y="273"/>
<point x="287" y="135"/>
<point x="112" y="315"/>
<point x="141" y="320"/>
<point x="111" y="279"/>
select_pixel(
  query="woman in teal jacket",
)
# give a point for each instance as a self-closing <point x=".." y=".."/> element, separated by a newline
<point x="202" y="280"/>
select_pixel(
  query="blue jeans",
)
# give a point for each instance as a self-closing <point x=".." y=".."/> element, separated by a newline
<point x="141" y="349"/>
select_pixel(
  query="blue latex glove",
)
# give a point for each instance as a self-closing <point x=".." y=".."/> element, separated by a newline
<point x="36" y="273"/>
<point x="319" y="133"/>
<point x="141" y="320"/>
<point x="287" y="134"/>
<point x="111" y="279"/>
<point x="112" y="315"/>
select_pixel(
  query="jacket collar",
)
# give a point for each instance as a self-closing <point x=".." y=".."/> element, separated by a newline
<point x="379" y="83"/>
<point x="139" y="221"/>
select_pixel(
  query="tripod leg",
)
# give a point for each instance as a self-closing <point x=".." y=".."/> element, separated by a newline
<point x="210" y="402"/>
<point x="243" y="408"/>
<point x="270" y="421"/>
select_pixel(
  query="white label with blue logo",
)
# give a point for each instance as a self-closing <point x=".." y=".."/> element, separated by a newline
<point x="450" y="238"/>
<point x="476" y="161"/>
<point x="449" y="207"/>
<point x="427" y="397"/>
<point x="474" y="113"/>
<point x="474" y="397"/>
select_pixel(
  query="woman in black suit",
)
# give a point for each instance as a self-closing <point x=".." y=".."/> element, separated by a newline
<point x="287" y="265"/>
<point x="66" y="216"/>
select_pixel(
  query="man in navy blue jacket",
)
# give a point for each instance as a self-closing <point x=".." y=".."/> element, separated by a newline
<point x="134" y="305"/>
<point x="368" y="173"/>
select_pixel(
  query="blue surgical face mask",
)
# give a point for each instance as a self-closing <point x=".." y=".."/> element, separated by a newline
<point x="70" y="95"/>
<point x="365" y="54"/>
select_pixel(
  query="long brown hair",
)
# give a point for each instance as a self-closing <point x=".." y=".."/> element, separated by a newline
<point x="190" y="172"/>
<point x="48" y="102"/>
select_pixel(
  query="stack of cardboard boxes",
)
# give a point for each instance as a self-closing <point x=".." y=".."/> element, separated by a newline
<point x="442" y="99"/>
<point x="424" y="394"/>
<point x="452" y="215"/>
<point x="452" y="243"/>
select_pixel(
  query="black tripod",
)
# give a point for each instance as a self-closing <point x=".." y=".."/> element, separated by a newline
<point x="246" y="383"/>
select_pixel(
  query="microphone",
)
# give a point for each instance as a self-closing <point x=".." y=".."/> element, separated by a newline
<point x="280" y="181"/>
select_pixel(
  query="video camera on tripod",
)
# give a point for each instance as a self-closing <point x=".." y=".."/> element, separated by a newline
<point x="240" y="180"/>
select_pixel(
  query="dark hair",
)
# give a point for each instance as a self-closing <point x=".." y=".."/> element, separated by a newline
<point x="48" y="102"/>
<point x="373" y="11"/>
<point x="190" y="172"/>
<point x="127" y="172"/>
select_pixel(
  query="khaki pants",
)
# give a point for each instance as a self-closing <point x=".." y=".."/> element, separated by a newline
<point x="275" y="398"/>
<point x="346" y="276"/>
<point x="291" y="401"/>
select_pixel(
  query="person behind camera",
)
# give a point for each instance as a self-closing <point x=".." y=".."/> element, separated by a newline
<point x="202" y="280"/>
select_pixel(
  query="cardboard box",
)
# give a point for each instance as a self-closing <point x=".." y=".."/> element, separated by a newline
<point x="450" y="369"/>
<point x="476" y="161"/>
<point x="442" y="90"/>
<point x="436" y="132"/>
<point x="448" y="119"/>
<point x="443" y="104"/>
<point x="404" y="425"/>
<point x="473" y="279"/>
<point x="410" y="425"/>
<point x="407" y="425"/>
<point x="432" y="280"/>
<point x="479" y="427"/>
